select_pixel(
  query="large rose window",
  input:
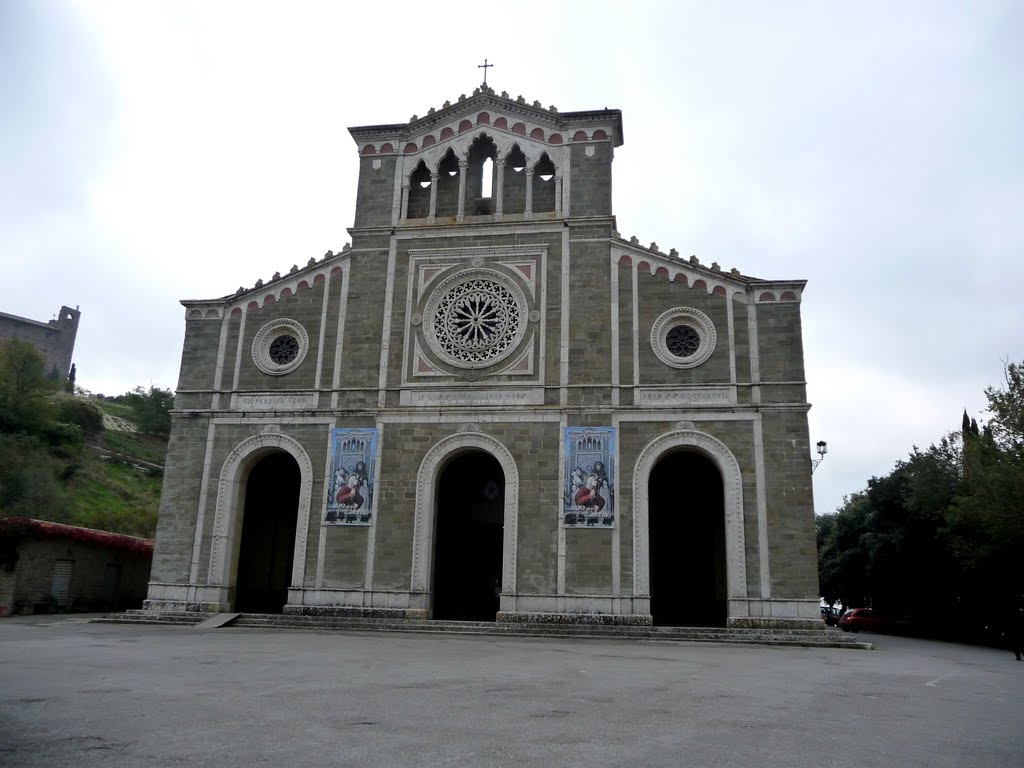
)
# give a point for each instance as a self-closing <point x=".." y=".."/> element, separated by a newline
<point x="475" y="320"/>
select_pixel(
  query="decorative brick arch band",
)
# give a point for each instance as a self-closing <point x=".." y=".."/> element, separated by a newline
<point x="230" y="495"/>
<point x="426" y="506"/>
<point x="732" y="483"/>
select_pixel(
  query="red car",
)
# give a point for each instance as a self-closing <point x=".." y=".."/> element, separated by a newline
<point x="857" y="619"/>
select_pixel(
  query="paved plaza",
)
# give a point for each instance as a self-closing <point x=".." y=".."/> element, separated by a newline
<point x="78" y="694"/>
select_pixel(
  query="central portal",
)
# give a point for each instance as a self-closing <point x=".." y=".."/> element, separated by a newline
<point x="468" y="540"/>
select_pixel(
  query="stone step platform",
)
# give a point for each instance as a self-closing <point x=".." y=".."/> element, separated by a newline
<point x="136" y="616"/>
<point x="816" y="638"/>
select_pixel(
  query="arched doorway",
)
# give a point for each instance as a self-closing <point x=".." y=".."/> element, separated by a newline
<point x="469" y="537"/>
<point x="687" y="541"/>
<point x="267" y="543"/>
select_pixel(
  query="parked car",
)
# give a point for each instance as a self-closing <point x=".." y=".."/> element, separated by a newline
<point x="830" y="615"/>
<point x="858" y="619"/>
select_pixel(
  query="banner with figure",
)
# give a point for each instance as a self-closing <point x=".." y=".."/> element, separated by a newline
<point x="350" y="488"/>
<point x="589" y="493"/>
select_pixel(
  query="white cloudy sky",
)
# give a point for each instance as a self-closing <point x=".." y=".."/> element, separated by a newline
<point x="154" y="151"/>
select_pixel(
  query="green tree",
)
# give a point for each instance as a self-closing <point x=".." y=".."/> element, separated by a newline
<point x="81" y="411"/>
<point x="1007" y="407"/>
<point x="939" y="540"/>
<point x="152" y="409"/>
<point x="986" y="521"/>
<point x="25" y="388"/>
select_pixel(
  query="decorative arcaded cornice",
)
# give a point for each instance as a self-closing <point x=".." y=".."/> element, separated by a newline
<point x="394" y="138"/>
<point x="274" y="289"/>
<point x="691" y="272"/>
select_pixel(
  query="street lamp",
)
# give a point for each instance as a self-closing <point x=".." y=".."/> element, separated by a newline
<point x="822" y="450"/>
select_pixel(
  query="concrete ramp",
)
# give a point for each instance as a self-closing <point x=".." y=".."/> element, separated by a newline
<point x="220" y="620"/>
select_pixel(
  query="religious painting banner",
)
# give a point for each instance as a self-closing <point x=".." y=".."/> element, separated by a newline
<point x="589" y="492"/>
<point x="350" y="483"/>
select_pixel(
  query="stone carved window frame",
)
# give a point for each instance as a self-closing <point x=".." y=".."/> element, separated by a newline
<point x="683" y="316"/>
<point x="526" y="264"/>
<point x="425" y="520"/>
<point x="266" y="335"/>
<point x="227" y="522"/>
<point x="732" y="484"/>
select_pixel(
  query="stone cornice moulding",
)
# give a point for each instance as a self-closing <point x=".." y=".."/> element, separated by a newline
<point x="411" y="229"/>
<point x="538" y="249"/>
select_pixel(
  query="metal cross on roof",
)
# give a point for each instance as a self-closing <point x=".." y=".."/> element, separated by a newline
<point x="485" y="66"/>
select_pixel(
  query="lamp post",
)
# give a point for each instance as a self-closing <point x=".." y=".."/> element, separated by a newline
<point x="822" y="450"/>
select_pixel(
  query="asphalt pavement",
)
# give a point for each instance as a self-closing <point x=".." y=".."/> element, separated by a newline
<point x="73" y="693"/>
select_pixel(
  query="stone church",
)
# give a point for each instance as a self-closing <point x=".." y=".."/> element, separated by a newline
<point x="491" y="406"/>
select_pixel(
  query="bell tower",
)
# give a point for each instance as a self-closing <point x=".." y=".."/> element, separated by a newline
<point x="486" y="158"/>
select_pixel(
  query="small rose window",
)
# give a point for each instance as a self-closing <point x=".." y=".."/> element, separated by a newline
<point x="683" y="337"/>
<point x="683" y="341"/>
<point x="280" y="346"/>
<point x="284" y="349"/>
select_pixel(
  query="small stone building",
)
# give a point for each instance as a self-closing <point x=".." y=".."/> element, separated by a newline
<point x="46" y="567"/>
<point x="54" y="339"/>
<point x="493" y="406"/>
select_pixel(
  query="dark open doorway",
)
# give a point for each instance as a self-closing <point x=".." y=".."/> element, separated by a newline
<point x="468" y="548"/>
<point x="687" y="535"/>
<point x="268" y="535"/>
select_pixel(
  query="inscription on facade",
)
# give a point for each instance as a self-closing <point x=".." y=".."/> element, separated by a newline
<point x="696" y="396"/>
<point x="268" y="401"/>
<point x="523" y="396"/>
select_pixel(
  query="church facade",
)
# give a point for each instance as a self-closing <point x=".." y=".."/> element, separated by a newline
<point x="492" y="406"/>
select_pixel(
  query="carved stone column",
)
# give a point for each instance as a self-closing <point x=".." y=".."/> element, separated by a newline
<point x="499" y="181"/>
<point x="558" y="193"/>
<point x="405" y="202"/>
<point x="433" y="196"/>
<point x="529" y="192"/>
<point x="463" y="167"/>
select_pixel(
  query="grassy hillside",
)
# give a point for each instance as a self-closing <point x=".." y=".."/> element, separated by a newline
<point x="102" y="478"/>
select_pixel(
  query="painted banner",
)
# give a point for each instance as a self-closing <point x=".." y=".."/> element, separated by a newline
<point x="350" y="483"/>
<point x="589" y="493"/>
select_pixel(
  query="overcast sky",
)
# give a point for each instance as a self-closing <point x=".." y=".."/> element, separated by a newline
<point x="152" y="151"/>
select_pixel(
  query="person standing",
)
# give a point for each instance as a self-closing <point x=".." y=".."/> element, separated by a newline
<point x="1016" y="633"/>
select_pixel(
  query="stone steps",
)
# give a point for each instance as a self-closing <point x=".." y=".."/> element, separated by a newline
<point x="818" y="638"/>
<point x="180" y="618"/>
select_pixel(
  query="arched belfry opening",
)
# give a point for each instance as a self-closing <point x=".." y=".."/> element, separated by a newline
<point x="266" y="548"/>
<point x="448" y="186"/>
<point x="480" y="151"/>
<point x="544" y="185"/>
<point x="687" y="541"/>
<point x="468" y="539"/>
<point x="419" y="192"/>
<point x="514" y="186"/>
